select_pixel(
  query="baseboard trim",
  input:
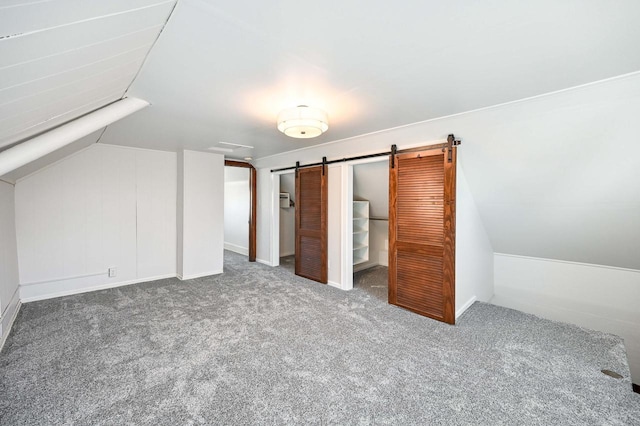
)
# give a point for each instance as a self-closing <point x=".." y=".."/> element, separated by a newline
<point x="264" y="262"/>
<point x="94" y="288"/>
<point x="236" y="249"/>
<point x="570" y="262"/>
<point x="194" y="276"/>
<point x="335" y="284"/>
<point x="465" y="306"/>
<point x="6" y="326"/>
<point x="287" y="254"/>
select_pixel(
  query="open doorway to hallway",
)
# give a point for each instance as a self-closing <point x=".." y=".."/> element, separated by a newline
<point x="371" y="228"/>
<point x="237" y="209"/>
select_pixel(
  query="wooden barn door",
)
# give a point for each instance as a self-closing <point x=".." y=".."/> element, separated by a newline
<point x="422" y="188"/>
<point x="311" y="223"/>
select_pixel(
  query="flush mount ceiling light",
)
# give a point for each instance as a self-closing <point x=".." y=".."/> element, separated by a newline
<point x="303" y="122"/>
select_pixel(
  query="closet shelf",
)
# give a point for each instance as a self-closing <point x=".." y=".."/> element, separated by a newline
<point x="360" y="231"/>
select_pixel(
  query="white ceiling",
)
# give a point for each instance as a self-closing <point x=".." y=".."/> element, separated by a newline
<point x="60" y="59"/>
<point x="221" y="71"/>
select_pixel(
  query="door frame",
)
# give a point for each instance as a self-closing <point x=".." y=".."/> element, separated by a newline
<point x="347" y="228"/>
<point x="253" y="204"/>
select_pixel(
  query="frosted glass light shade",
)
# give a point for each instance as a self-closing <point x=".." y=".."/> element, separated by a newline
<point x="303" y="122"/>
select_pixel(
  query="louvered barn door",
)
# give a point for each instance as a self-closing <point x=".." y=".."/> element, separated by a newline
<point x="422" y="187"/>
<point x="311" y="223"/>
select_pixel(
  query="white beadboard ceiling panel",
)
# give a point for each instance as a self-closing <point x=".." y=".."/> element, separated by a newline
<point x="62" y="59"/>
<point x="78" y="91"/>
<point x="39" y="16"/>
<point x="57" y="63"/>
<point x="115" y="65"/>
<point x="14" y="50"/>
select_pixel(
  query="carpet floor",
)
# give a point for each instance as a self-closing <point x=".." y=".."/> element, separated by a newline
<point x="258" y="345"/>
<point x="373" y="281"/>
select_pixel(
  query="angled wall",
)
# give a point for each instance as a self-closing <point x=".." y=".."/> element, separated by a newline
<point x="9" y="295"/>
<point x="104" y="207"/>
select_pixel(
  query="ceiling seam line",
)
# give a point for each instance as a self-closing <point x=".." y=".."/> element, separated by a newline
<point x="64" y="52"/>
<point x="77" y="68"/>
<point x="82" y="21"/>
<point x="153" y="44"/>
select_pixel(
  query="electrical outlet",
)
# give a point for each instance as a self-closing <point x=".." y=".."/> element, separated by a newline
<point x="112" y="272"/>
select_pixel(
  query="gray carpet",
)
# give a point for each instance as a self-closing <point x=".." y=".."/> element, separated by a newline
<point x="258" y="345"/>
<point x="373" y="281"/>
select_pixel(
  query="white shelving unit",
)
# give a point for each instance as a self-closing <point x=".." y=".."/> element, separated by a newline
<point x="360" y="232"/>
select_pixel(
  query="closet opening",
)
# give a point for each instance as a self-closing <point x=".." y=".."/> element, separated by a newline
<point x="287" y="209"/>
<point x="370" y="236"/>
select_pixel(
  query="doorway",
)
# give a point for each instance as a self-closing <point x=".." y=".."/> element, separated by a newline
<point x="287" y="208"/>
<point x="371" y="228"/>
<point x="240" y="199"/>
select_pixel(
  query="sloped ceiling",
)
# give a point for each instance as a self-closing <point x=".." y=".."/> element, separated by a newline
<point x="60" y="59"/>
<point x="221" y="71"/>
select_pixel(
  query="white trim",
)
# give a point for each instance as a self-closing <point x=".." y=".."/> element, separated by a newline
<point x="75" y="277"/>
<point x="94" y="288"/>
<point x="570" y="262"/>
<point x="347" y="228"/>
<point x="203" y="274"/>
<point x="336" y="285"/>
<point x="236" y="249"/>
<point x="274" y="225"/>
<point x="465" y="306"/>
<point x="496" y="106"/>
<point x="6" y="328"/>
<point x="10" y="313"/>
<point x="264" y="262"/>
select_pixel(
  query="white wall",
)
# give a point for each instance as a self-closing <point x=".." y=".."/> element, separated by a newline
<point x="474" y="253"/>
<point x="237" y="199"/>
<point x="201" y="229"/>
<point x="592" y="296"/>
<point x="288" y="217"/>
<point x="268" y="188"/>
<point x="103" y="207"/>
<point x="9" y="297"/>
<point x="336" y="213"/>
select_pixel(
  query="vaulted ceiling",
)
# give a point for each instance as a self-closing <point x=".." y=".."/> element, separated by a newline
<point x="221" y="71"/>
<point x="60" y="59"/>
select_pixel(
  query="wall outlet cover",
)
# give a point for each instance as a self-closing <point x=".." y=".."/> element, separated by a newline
<point x="112" y="272"/>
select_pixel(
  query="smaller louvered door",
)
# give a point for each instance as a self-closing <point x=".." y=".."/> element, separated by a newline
<point x="422" y="188"/>
<point x="311" y="223"/>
